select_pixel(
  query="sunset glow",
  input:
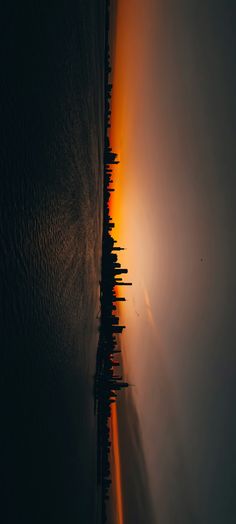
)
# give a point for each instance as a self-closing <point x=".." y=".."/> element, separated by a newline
<point x="117" y="466"/>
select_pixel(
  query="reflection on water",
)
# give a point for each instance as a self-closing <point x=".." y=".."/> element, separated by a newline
<point x="50" y="236"/>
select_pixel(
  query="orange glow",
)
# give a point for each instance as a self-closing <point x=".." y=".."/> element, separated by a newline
<point x="115" y="206"/>
<point x="117" y="121"/>
<point x="121" y="133"/>
<point x="117" y="466"/>
<point x="132" y="59"/>
<point x="118" y="131"/>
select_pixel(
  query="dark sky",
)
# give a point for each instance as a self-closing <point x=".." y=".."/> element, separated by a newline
<point x="174" y="118"/>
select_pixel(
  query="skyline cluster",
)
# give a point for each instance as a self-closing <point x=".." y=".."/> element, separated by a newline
<point x="108" y="381"/>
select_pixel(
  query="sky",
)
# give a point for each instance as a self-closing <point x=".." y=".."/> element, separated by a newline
<point x="173" y="127"/>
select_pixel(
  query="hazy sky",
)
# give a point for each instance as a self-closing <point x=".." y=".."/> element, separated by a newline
<point x="173" y="125"/>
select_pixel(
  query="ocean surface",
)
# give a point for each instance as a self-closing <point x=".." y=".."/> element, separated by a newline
<point x="51" y="166"/>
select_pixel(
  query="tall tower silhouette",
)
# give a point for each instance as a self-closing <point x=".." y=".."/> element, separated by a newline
<point x="124" y="283"/>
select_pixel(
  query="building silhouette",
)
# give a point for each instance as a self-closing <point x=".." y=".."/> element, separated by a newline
<point x="108" y="381"/>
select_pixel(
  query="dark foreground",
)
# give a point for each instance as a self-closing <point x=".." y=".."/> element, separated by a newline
<point x="51" y="125"/>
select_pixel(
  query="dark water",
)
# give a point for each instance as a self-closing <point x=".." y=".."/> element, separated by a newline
<point x="51" y="140"/>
